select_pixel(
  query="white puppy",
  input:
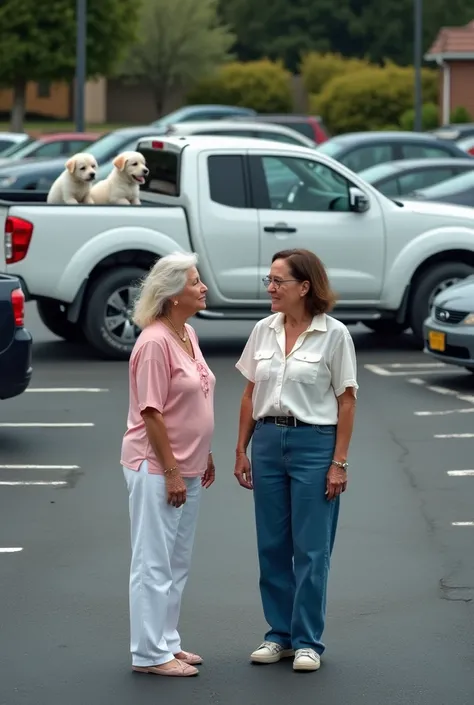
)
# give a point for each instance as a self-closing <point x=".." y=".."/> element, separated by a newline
<point x="74" y="184"/>
<point x="122" y="186"/>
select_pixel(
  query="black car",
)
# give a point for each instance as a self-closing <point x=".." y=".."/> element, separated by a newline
<point x="42" y="172"/>
<point x="361" y="150"/>
<point x="458" y="190"/>
<point x="15" y="341"/>
<point x="404" y="176"/>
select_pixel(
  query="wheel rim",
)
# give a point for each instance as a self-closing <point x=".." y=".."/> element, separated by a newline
<point x="442" y="286"/>
<point x="118" y="316"/>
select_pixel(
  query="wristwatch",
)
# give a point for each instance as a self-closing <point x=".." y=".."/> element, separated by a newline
<point x="338" y="464"/>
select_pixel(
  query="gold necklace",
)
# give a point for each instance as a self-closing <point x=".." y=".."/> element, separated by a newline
<point x="184" y="337"/>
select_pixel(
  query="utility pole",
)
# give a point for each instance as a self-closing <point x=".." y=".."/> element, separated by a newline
<point x="418" y="55"/>
<point x="81" y="57"/>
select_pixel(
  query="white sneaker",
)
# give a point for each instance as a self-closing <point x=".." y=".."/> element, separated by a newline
<point x="306" y="660"/>
<point x="269" y="652"/>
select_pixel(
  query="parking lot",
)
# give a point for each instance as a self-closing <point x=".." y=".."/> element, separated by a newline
<point x="400" y="611"/>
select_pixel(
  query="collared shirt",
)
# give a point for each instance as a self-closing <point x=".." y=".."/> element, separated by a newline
<point x="305" y="383"/>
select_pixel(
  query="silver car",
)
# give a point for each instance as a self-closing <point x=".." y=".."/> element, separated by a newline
<point x="449" y="330"/>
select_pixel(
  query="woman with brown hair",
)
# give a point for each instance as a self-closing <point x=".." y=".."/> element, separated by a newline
<point x="298" y="410"/>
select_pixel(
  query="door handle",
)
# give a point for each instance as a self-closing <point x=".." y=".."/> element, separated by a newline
<point x="279" y="228"/>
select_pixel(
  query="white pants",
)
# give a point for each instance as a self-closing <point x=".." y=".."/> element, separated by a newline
<point x="162" y="538"/>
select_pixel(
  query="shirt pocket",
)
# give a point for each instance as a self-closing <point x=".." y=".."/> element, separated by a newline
<point x="304" y="367"/>
<point x="263" y="363"/>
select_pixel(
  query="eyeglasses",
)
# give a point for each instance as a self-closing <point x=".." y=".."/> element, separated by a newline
<point x="276" y="282"/>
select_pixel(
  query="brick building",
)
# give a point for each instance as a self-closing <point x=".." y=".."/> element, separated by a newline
<point x="453" y="51"/>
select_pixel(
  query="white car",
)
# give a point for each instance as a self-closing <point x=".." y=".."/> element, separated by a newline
<point x="235" y="202"/>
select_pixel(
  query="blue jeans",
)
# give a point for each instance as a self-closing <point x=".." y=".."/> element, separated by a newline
<point x="296" y="528"/>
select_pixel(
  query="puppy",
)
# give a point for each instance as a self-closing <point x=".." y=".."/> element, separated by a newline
<point x="74" y="184"/>
<point x="122" y="186"/>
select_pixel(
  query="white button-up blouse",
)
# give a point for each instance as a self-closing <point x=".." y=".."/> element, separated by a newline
<point x="307" y="382"/>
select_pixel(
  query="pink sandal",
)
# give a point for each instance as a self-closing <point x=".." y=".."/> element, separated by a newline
<point x="182" y="670"/>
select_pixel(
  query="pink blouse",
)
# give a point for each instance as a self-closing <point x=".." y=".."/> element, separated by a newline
<point x="164" y="377"/>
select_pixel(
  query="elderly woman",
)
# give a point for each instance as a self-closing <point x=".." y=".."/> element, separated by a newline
<point x="166" y="458"/>
<point x="298" y="409"/>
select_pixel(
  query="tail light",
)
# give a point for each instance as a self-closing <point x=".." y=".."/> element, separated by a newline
<point x="18" y="304"/>
<point x="18" y="234"/>
<point x="157" y="145"/>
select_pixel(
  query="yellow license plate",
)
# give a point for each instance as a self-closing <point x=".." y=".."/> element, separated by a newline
<point x="437" y="341"/>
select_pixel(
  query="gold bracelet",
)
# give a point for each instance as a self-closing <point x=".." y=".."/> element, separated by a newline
<point x="168" y="470"/>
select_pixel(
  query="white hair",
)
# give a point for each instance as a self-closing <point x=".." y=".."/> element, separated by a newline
<point x="167" y="278"/>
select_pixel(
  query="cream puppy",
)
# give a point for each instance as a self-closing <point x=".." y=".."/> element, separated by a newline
<point x="74" y="184"/>
<point x="122" y="186"/>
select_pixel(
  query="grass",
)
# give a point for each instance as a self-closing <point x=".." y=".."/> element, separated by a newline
<point x="40" y="128"/>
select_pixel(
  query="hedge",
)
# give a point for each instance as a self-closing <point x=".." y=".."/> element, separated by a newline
<point x="372" y="98"/>
<point x="429" y="117"/>
<point x="317" y="70"/>
<point x="262" y="85"/>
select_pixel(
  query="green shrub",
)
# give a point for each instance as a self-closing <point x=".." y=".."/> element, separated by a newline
<point x="459" y="115"/>
<point x="372" y="98"/>
<point x="318" y="69"/>
<point x="429" y="117"/>
<point x="262" y="85"/>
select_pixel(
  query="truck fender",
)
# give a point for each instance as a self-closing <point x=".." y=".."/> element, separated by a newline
<point x="108" y="243"/>
<point x="430" y="243"/>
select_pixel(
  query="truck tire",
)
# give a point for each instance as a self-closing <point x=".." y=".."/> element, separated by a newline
<point x="431" y="283"/>
<point x="107" y="320"/>
<point x="53" y="315"/>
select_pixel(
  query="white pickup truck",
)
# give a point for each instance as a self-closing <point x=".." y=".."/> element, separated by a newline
<point x="235" y="202"/>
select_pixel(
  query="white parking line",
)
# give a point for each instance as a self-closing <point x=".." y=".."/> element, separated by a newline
<point x="444" y="413"/>
<point x="46" y="425"/>
<point x="40" y="467"/>
<point x="454" y="435"/>
<point x="10" y="550"/>
<point x="33" y="482"/>
<point x="382" y="371"/>
<point x="54" y="390"/>
<point x="462" y="523"/>
<point x="461" y="473"/>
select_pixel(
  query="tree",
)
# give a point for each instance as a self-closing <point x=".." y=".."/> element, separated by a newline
<point x="38" y="42"/>
<point x="378" y="29"/>
<point x="180" y="41"/>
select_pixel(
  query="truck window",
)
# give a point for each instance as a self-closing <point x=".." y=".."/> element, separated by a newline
<point x="164" y="172"/>
<point x="227" y="180"/>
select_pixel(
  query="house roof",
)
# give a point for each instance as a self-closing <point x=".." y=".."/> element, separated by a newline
<point x="453" y="43"/>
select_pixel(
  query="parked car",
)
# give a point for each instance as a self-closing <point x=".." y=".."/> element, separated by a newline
<point x="15" y="340"/>
<point x="190" y="113"/>
<point x="454" y="131"/>
<point x="311" y="126"/>
<point x="41" y="173"/>
<point x="459" y="190"/>
<point x="247" y="128"/>
<point x="404" y="176"/>
<point x="449" y="329"/>
<point x="50" y="146"/>
<point x="12" y="139"/>
<point x="467" y="144"/>
<point x="384" y="258"/>
<point x="361" y="150"/>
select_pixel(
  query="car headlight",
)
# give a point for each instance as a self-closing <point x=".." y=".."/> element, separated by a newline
<point x="469" y="320"/>
<point x="7" y="181"/>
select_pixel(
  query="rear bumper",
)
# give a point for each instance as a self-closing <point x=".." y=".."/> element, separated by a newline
<point x="15" y="365"/>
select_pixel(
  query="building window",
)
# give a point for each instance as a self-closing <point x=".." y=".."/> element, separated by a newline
<point x="43" y="89"/>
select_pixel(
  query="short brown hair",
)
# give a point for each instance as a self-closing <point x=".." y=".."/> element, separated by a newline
<point x="304" y="266"/>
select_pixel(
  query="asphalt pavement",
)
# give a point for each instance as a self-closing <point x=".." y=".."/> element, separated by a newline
<point x="401" y="601"/>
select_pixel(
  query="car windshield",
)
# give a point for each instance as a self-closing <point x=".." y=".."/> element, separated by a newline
<point x="374" y="173"/>
<point x="448" y="187"/>
<point x="16" y="148"/>
<point x="330" y="147"/>
<point x="109" y="145"/>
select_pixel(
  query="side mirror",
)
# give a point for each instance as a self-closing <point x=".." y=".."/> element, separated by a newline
<point x="359" y="202"/>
